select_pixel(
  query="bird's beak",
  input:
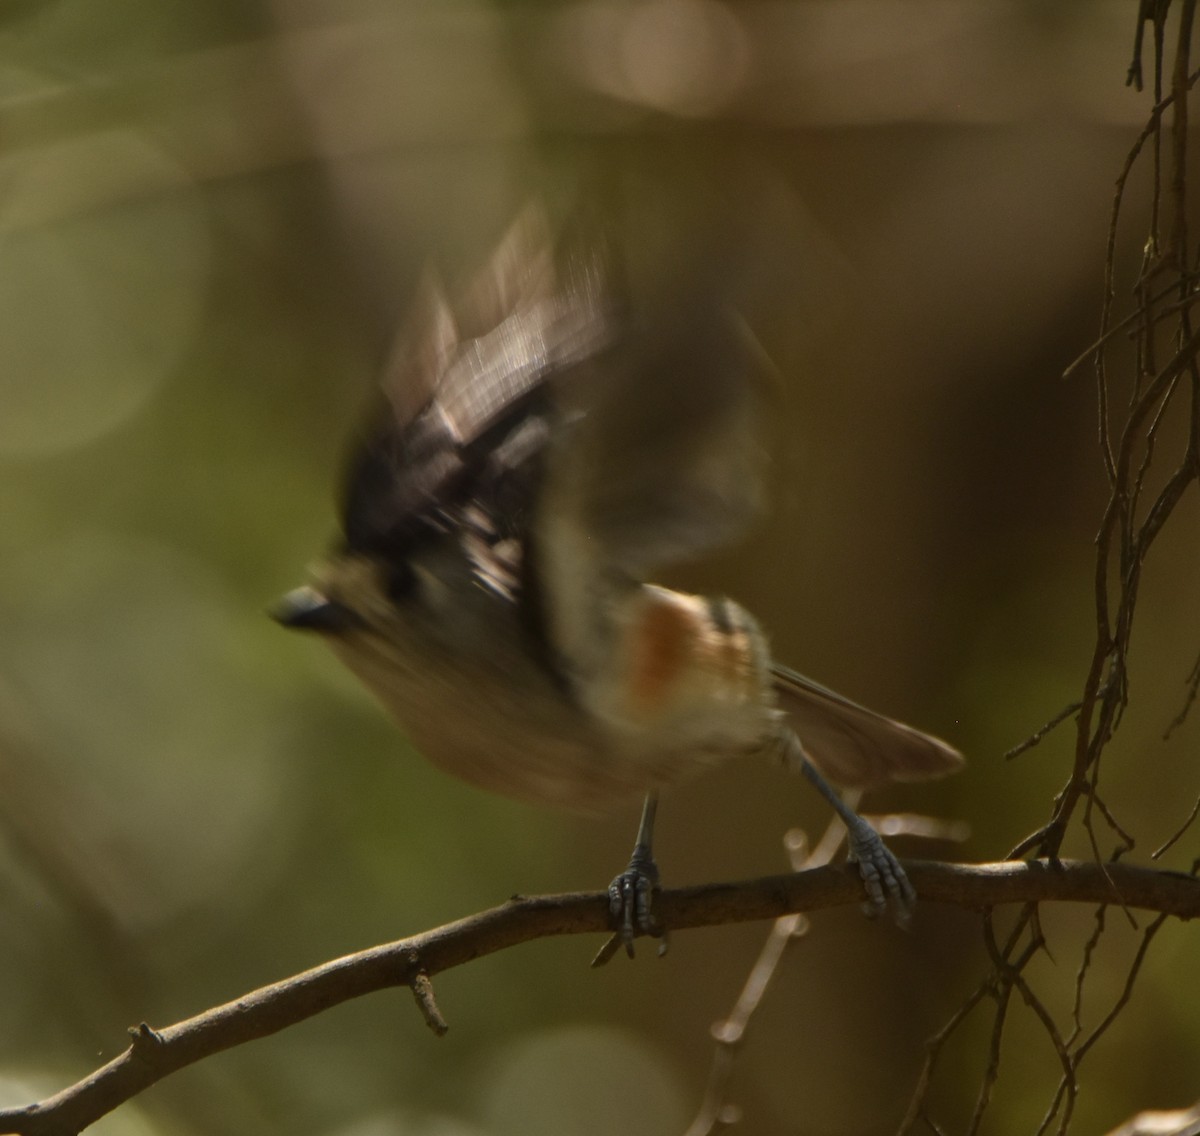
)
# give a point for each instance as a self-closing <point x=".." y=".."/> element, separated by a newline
<point x="306" y="609"/>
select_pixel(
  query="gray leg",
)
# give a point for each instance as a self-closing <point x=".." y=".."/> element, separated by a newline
<point x="882" y="876"/>
<point x="631" y="894"/>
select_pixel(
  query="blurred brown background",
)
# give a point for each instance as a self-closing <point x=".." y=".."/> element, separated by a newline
<point x="211" y="218"/>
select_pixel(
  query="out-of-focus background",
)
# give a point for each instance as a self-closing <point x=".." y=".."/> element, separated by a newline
<point x="212" y="217"/>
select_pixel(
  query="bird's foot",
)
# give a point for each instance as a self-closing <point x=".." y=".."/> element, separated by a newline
<point x="630" y="907"/>
<point x="883" y="878"/>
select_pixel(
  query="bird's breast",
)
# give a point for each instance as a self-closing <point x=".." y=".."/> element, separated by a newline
<point x="501" y="722"/>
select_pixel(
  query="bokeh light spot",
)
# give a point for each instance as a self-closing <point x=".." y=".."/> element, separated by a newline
<point x="104" y="262"/>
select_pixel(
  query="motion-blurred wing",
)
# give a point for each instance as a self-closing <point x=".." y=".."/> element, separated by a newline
<point x="664" y="459"/>
<point x="463" y="416"/>
<point x="854" y="746"/>
<point x="658" y="455"/>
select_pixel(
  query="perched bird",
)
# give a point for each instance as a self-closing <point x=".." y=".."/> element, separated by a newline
<point x="539" y="449"/>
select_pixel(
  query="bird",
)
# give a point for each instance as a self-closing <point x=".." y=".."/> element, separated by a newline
<point x="537" y="450"/>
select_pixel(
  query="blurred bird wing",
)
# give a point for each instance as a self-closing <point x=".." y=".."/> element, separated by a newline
<point x="531" y="316"/>
<point x="519" y="320"/>
<point x="656" y="458"/>
<point x="458" y="388"/>
<point x="854" y="746"/>
<point x="664" y="458"/>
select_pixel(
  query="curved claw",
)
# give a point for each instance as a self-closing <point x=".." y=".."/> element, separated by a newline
<point x="883" y="878"/>
<point x="630" y="906"/>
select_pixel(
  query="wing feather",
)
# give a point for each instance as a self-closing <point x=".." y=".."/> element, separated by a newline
<point x="854" y="746"/>
<point x="464" y="419"/>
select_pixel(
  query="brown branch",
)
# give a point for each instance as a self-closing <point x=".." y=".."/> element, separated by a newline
<point x="1193" y="687"/>
<point x="155" y="1053"/>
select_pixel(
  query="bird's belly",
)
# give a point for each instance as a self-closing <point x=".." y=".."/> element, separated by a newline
<point x="541" y="760"/>
<point x="538" y="747"/>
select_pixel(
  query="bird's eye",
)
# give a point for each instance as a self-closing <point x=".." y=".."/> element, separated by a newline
<point x="400" y="581"/>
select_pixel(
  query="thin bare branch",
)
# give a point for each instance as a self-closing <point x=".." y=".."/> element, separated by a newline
<point x="933" y="1050"/>
<point x="1042" y="731"/>
<point x="1193" y="684"/>
<point x="156" y="1053"/>
<point x="1175" y="836"/>
<point x="1126" y="991"/>
<point x="1085" y="965"/>
<point x="715" y="1109"/>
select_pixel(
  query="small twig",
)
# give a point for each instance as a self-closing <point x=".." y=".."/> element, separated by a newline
<point x="1000" y="988"/>
<point x="933" y="1050"/>
<point x="1145" y="312"/>
<point x="1089" y="949"/>
<point x="422" y="990"/>
<point x="1042" y="731"/>
<point x="1158" y="852"/>
<point x="916" y="824"/>
<point x="143" y="1039"/>
<point x="1110" y="819"/>
<point x="1068" y="1084"/>
<point x="1005" y="973"/>
<point x="715" y="1110"/>
<point x="1193" y="684"/>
